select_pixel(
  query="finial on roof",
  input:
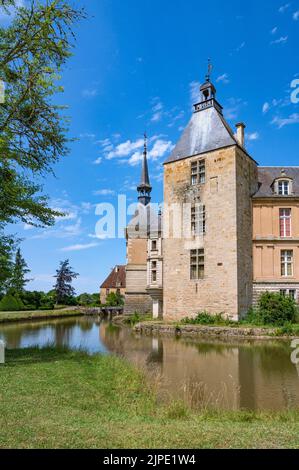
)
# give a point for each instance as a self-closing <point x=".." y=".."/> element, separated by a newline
<point x="210" y="68"/>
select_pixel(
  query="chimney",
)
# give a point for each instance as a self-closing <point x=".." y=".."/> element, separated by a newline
<point x="241" y="133"/>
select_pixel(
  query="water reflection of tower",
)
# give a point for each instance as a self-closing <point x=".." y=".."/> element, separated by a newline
<point x="140" y="350"/>
<point x="62" y="333"/>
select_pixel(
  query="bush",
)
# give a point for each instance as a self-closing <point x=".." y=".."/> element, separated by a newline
<point x="276" y="309"/>
<point x="133" y="319"/>
<point x="114" y="300"/>
<point x="204" y="318"/>
<point x="9" y="303"/>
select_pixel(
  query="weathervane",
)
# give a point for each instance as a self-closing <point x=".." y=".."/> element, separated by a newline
<point x="210" y="68"/>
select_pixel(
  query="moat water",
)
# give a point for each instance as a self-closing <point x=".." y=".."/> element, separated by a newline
<point x="243" y="374"/>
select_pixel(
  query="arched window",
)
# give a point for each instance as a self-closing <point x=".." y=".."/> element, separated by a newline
<point x="283" y="186"/>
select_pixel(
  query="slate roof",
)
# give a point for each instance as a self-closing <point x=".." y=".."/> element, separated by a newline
<point x="145" y="221"/>
<point x="116" y="279"/>
<point x="267" y="175"/>
<point x="144" y="181"/>
<point x="206" y="131"/>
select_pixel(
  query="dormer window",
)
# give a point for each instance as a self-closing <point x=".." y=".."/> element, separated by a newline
<point x="284" y="188"/>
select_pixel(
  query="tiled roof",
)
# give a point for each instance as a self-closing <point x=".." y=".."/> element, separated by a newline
<point x="206" y="131"/>
<point x="116" y="279"/>
<point x="267" y="175"/>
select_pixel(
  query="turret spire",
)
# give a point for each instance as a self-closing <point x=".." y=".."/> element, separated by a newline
<point x="144" y="189"/>
<point x="210" y="68"/>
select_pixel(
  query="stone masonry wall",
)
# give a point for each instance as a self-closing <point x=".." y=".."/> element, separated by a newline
<point x="231" y="178"/>
<point x="218" y="291"/>
<point x="246" y="186"/>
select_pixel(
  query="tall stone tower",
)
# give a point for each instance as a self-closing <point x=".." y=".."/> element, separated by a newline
<point x="209" y="180"/>
<point x="137" y="298"/>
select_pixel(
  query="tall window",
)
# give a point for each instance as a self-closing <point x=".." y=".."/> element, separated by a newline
<point x="198" y="172"/>
<point x="197" y="264"/>
<point x="283" y="188"/>
<point x="287" y="263"/>
<point x="285" y="222"/>
<point x="154" y="271"/>
<point x="198" y="219"/>
<point x="154" y="245"/>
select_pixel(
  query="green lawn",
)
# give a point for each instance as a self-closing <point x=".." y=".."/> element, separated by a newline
<point x="71" y="400"/>
<point x="37" y="314"/>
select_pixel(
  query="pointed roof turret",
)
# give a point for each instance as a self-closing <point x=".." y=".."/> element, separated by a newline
<point x="144" y="188"/>
<point x="207" y="129"/>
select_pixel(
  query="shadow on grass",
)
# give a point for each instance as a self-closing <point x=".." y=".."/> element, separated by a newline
<point x="35" y="355"/>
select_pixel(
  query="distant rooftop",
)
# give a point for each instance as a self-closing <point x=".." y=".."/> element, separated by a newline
<point x="116" y="279"/>
<point x="268" y="174"/>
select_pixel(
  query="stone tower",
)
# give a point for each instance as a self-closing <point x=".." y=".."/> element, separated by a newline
<point x="209" y="180"/>
<point x="137" y="298"/>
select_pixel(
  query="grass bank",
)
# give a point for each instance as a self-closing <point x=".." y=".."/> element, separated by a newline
<point x="62" y="399"/>
<point x="6" y="317"/>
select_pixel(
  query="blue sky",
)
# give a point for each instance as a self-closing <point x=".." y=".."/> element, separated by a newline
<point x="138" y="65"/>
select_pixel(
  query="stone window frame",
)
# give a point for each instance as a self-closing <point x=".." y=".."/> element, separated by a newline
<point x="283" y="227"/>
<point x="197" y="264"/>
<point x="198" y="172"/>
<point x="198" y="219"/>
<point x="290" y="293"/>
<point x="286" y="262"/>
<point x="154" y="272"/>
<point x="287" y="182"/>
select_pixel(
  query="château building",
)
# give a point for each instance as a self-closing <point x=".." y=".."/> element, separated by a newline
<point x="229" y="228"/>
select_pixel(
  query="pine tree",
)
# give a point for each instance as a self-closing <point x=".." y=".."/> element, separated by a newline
<point x="64" y="277"/>
<point x="20" y="269"/>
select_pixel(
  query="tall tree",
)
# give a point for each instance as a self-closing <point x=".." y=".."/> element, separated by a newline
<point x="33" y="50"/>
<point x="63" y="286"/>
<point x="7" y="247"/>
<point x="20" y="269"/>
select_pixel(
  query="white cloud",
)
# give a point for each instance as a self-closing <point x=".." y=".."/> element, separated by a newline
<point x="125" y="148"/>
<point x="98" y="161"/>
<point x="296" y="15"/>
<point x="284" y="8"/>
<point x="223" y="78"/>
<point x="233" y="107"/>
<point x="63" y="227"/>
<point x="86" y="207"/>
<point x="241" y="46"/>
<point x="274" y="30"/>
<point x="282" y="122"/>
<point x="281" y="40"/>
<point x="253" y="136"/>
<point x="104" y="192"/>
<point x="11" y="11"/>
<point x="175" y="117"/>
<point x="266" y="107"/>
<point x="89" y="92"/>
<point x="28" y="227"/>
<point x="79" y="247"/>
<point x="159" y="149"/>
<point x="157" y="110"/>
<point x="87" y="135"/>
